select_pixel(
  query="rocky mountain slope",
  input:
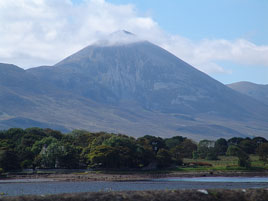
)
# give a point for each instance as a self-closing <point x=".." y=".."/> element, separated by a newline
<point x="124" y="84"/>
<point x="257" y="91"/>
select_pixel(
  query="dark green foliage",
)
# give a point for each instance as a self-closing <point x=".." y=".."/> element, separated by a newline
<point x="164" y="158"/>
<point x="243" y="159"/>
<point x="53" y="133"/>
<point x="145" y="155"/>
<point x="9" y="160"/>
<point x="179" y="148"/>
<point x="263" y="152"/>
<point x="105" y="156"/>
<point x="232" y="150"/>
<point x="234" y="141"/>
<point x="177" y="154"/>
<point x="82" y="138"/>
<point x="221" y="146"/>
<point x="156" y="143"/>
<point x="259" y="140"/>
<point x="174" y="141"/>
<point x="212" y="154"/>
<point x="188" y="147"/>
<point x="47" y="148"/>
<point x="207" y="150"/>
<point x="248" y="146"/>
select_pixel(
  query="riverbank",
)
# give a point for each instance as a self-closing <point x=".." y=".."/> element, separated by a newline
<point x="166" y="195"/>
<point x="129" y="176"/>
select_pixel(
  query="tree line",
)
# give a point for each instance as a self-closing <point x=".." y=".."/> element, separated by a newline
<point x="46" y="148"/>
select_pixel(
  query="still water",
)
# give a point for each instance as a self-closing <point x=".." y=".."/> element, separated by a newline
<point x="38" y="187"/>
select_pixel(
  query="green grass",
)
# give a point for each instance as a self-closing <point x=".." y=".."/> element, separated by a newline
<point x="225" y="163"/>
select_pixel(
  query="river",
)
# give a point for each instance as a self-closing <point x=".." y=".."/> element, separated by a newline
<point x="43" y="186"/>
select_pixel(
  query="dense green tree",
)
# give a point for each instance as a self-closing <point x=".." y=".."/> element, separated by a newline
<point x="9" y="160"/>
<point x="206" y="150"/>
<point x="174" y="141"/>
<point x="99" y="139"/>
<point x="53" y="133"/>
<point x="120" y="140"/>
<point x="243" y="159"/>
<point x="259" y="140"/>
<point x="38" y="133"/>
<point x="248" y="146"/>
<point x="263" y="152"/>
<point x="144" y="155"/>
<point x="232" y="150"/>
<point x="202" y="151"/>
<point x="234" y="141"/>
<point x="12" y="137"/>
<point x="188" y="147"/>
<point x="82" y="138"/>
<point x="212" y="154"/>
<point x="104" y="156"/>
<point x="43" y="144"/>
<point x="177" y="154"/>
<point x="69" y="157"/>
<point x="49" y="148"/>
<point x="221" y="146"/>
<point x="164" y="158"/>
<point x="50" y="155"/>
<point x="156" y="143"/>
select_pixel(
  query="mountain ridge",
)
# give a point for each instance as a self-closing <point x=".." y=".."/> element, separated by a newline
<point x="135" y="88"/>
<point x="257" y="91"/>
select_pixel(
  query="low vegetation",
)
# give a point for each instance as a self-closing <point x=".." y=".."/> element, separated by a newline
<point x="168" y="195"/>
<point x="46" y="148"/>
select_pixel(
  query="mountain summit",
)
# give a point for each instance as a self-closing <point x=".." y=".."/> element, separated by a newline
<point x="118" y="38"/>
<point x="128" y="85"/>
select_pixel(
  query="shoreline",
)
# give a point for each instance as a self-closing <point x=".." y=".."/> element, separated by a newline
<point x="163" y="195"/>
<point x="126" y="176"/>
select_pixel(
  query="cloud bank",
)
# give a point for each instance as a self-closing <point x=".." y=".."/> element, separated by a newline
<point x="43" y="32"/>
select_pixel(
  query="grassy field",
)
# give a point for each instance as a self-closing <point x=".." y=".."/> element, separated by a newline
<point x="225" y="163"/>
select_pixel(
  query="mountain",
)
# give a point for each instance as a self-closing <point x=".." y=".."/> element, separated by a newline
<point x="257" y="91"/>
<point x="128" y="85"/>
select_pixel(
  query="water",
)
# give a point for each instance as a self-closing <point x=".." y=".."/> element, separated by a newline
<point x="218" y="179"/>
<point x="39" y="187"/>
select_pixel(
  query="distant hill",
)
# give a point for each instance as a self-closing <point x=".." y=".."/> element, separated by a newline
<point x="127" y="85"/>
<point x="257" y="91"/>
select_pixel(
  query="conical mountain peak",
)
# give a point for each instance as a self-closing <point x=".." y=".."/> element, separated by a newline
<point x="132" y="86"/>
<point x="121" y="32"/>
<point x="121" y="37"/>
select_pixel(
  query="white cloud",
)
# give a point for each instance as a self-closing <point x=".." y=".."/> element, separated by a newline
<point x="42" y="32"/>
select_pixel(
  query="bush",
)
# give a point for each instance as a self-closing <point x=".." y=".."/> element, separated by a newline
<point x="243" y="159"/>
<point x="163" y="158"/>
<point x="9" y="160"/>
<point x="26" y="164"/>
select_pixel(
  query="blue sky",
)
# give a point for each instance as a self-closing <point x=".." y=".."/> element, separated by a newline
<point x="227" y="19"/>
<point x="226" y="39"/>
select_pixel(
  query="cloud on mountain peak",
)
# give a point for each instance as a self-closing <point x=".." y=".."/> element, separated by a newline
<point x="42" y="32"/>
